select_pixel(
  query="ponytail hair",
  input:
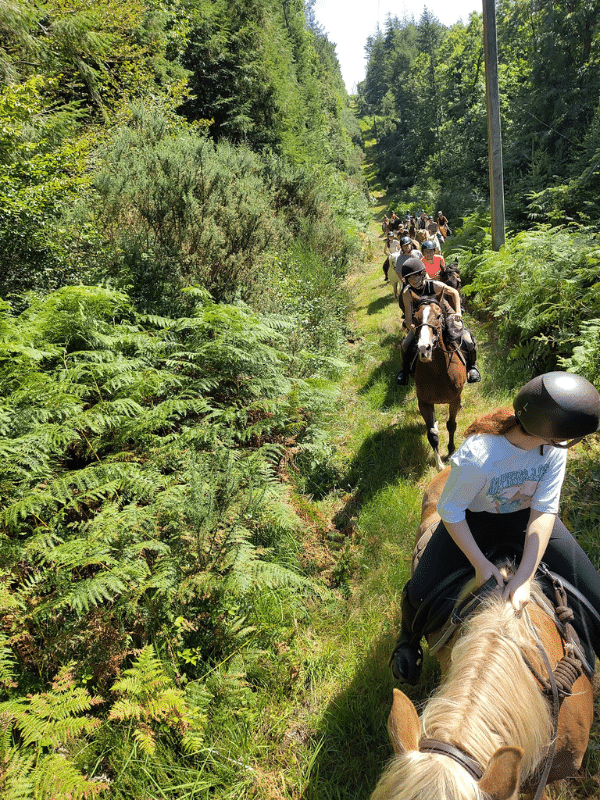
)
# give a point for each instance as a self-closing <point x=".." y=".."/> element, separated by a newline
<point x="497" y="422"/>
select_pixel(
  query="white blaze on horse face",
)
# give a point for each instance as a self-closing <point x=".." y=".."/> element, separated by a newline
<point x="425" y="342"/>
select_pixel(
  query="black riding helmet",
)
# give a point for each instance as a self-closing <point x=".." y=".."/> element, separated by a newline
<point x="558" y="406"/>
<point x="405" y="240"/>
<point x="412" y="266"/>
<point x="428" y="245"/>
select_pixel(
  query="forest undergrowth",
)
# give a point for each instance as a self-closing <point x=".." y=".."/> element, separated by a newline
<point x="209" y="480"/>
<point x="381" y="434"/>
<point x="205" y="540"/>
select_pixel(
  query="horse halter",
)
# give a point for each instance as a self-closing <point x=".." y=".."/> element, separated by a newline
<point x="473" y="767"/>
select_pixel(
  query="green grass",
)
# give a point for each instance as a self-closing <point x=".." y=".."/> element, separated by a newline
<point x="343" y="692"/>
<point x="313" y="724"/>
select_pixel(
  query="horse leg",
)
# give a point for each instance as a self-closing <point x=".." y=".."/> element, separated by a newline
<point x="453" y="410"/>
<point x="428" y="413"/>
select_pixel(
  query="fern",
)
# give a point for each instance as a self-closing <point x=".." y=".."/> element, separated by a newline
<point x="47" y="721"/>
<point x="16" y="773"/>
<point x="7" y="665"/>
<point x="147" y="697"/>
<point x="57" y="778"/>
<point x="138" y="486"/>
<point x="52" y="718"/>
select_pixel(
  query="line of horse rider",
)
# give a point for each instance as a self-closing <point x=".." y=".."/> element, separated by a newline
<point x="416" y="269"/>
<point x="412" y="223"/>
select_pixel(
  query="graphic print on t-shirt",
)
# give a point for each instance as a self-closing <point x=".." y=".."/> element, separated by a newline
<point x="510" y="489"/>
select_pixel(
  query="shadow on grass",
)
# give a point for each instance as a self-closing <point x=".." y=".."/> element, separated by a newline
<point x="380" y="304"/>
<point x="355" y="747"/>
<point x="398" y="451"/>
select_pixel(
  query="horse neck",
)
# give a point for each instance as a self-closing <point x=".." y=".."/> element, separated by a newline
<point x="490" y="697"/>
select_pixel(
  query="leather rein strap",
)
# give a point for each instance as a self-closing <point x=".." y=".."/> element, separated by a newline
<point x="556" y="703"/>
<point x="554" y="689"/>
<point x="473" y="767"/>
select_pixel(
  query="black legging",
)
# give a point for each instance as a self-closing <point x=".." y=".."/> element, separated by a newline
<point x="563" y="555"/>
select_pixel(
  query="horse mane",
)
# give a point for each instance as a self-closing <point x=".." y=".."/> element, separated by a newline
<point x="474" y="706"/>
<point x="451" y="335"/>
<point x="489" y="698"/>
<point x="425" y="301"/>
<point x="452" y="275"/>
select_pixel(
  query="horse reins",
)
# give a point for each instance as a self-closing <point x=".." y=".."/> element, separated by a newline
<point x="559" y="683"/>
<point x="557" y="686"/>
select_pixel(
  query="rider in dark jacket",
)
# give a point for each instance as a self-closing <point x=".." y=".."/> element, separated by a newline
<point x="415" y="290"/>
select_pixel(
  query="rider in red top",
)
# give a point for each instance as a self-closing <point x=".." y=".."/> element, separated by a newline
<point x="433" y="262"/>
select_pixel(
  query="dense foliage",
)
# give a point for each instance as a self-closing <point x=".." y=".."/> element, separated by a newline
<point x="142" y="518"/>
<point x="177" y="141"/>
<point x="180" y="195"/>
<point x="180" y="201"/>
<point x="425" y="84"/>
<point x="424" y="100"/>
<point x="539" y="295"/>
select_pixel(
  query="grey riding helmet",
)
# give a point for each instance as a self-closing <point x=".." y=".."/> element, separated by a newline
<point x="412" y="266"/>
<point x="558" y="406"/>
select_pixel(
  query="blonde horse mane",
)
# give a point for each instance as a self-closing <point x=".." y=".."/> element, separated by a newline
<point x="489" y="699"/>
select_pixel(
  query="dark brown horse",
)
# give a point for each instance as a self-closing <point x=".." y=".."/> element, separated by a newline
<point x="440" y="374"/>
<point x="493" y="730"/>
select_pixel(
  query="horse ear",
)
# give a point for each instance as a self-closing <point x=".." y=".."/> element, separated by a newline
<point x="404" y="727"/>
<point x="500" y="781"/>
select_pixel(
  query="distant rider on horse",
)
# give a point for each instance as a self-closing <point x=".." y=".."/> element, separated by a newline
<point x="417" y="290"/>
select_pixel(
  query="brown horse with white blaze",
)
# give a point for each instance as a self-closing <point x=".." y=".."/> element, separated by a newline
<point x="440" y="374"/>
<point x="488" y="731"/>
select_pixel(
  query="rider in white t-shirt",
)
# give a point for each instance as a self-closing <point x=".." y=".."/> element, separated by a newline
<point x="504" y="491"/>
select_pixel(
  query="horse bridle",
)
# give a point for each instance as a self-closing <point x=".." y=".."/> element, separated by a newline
<point x="473" y="767"/>
<point x="436" y="328"/>
<point x="550" y="687"/>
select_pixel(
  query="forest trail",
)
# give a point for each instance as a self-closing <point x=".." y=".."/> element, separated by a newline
<point x="380" y="438"/>
<point x="384" y="431"/>
<point x="376" y="323"/>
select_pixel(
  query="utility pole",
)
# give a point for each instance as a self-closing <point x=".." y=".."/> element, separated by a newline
<point x="492" y="96"/>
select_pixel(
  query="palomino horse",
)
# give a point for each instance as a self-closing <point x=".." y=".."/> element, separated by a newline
<point x="440" y="374"/>
<point x="489" y="731"/>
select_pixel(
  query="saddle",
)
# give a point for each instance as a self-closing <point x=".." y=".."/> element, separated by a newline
<point x="447" y="606"/>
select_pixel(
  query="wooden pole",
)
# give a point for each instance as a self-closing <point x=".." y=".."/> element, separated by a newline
<point x="493" y="117"/>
